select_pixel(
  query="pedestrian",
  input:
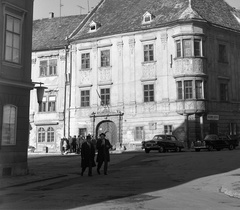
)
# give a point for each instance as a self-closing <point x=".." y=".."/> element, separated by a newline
<point x="103" y="156"/>
<point x="74" y="144"/>
<point x="64" y="146"/>
<point x="88" y="155"/>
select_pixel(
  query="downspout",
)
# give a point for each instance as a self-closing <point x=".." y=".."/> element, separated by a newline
<point x="65" y="92"/>
<point x="70" y="89"/>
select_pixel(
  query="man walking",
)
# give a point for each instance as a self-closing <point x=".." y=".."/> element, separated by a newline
<point x="88" y="154"/>
<point x="103" y="156"/>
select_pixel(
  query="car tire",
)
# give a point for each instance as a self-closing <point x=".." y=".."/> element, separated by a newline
<point x="161" y="149"/>
<point x="177" y="149"/>
<point x="210" y="148"/>
<point x="147" y="150"/>
<point x="231" y="147"/>
<point x="197" y="150"/>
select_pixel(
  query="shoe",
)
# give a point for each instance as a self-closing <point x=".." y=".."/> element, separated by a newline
<point x="98" y="171"/>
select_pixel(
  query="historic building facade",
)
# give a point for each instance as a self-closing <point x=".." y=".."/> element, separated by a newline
<point x="15" y="84"/>
<point x="158" y="67"/>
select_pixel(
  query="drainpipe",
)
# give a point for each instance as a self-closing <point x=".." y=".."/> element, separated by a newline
<point x="70" y="89"/>
<point x="65" y="92"/>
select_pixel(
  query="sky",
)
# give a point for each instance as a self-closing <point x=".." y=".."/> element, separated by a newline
<point x="42" y="8"/>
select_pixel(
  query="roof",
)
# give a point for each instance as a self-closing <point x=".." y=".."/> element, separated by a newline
<point x="124" y="16"/>
<point x="50" y="33"/>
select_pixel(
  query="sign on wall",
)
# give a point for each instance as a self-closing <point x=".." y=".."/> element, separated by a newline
<point x="212" y="117"/>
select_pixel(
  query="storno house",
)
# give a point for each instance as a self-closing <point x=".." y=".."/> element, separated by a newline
<point x="144" y="67"/>
<point x="15" y="84"/>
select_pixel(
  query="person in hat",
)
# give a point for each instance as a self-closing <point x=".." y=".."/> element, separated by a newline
<point x="103" y="156"/>
<point x="88" y="155"/>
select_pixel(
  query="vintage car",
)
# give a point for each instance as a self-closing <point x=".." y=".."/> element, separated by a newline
<point x="218" y="142"/>
<point x="163" y="143"/>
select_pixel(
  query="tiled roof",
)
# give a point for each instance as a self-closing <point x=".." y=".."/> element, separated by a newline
<point x="123" y="16"/>
<point x="50" y="33"/>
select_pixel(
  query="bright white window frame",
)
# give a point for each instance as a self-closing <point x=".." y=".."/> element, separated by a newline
<point x="147" y="18"/>
<point x="9" y="125"/>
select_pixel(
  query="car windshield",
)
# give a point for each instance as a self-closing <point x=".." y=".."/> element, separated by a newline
<point x="158" y="138"/>
<point x="211" y="137"/>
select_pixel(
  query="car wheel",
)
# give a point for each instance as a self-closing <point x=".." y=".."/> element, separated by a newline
<point x="231" y="147"/>
<point x="210" y="148"/>
<point x="197" y="150"/>
<point x="147" y="150"/>
<point x="177" y="149"/>
<point x="161" y="149"/>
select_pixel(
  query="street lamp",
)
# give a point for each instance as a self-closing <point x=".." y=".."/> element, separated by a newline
<point x="40" y="91"/>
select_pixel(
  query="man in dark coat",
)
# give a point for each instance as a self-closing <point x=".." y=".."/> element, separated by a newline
<point x="88" y="154"/>
<point x="103" y="146"/>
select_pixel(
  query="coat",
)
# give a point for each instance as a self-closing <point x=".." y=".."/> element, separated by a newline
<point x="103" y="150"/>
<point x="87" y="154"/>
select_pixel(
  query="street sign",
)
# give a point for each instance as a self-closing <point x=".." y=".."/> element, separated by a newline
<point x="212" y="117"/>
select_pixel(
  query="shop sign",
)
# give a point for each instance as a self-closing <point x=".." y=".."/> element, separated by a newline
<point x="212" y="117"/>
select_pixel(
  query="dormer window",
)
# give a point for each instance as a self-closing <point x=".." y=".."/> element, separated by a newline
<point x="94" y="26"/>
<point x="147" y="17"/>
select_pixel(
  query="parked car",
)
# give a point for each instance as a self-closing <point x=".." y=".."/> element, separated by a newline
<point x="163" y="143"/>
<point x="218" y="142"/>
<point x="31" y="149"/>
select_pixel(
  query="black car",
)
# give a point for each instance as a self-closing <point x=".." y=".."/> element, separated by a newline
<point x="163" y="143"/>
<point x="218" y="142"/>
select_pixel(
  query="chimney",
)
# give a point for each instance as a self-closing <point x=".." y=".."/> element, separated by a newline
<point x="51" y="15"/>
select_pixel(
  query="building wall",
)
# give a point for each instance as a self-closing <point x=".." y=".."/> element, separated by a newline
<point x="15" y="86"/>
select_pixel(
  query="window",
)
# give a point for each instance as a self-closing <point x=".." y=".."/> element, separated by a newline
<point x="50" y="134"/>
<point x="189" y="48"/>
<point x="9" y="125"/>
<point x="168" y="129"/>
<point x="105" y="97"/>
<point x="48" y="104"/>
<point x="85" y="61"/>
<point x="222" y="53"/>
<point x="12" y="39"/>
<point x="148" y="93"/>
<point x="46" y="134"/>
<point x="139" y="133"/>
<point x="85" y="98"/>
<point x="148" y="53"/>
<point x="105" y="58"/>
<point x="223" y="92"/>
<point x="94" y="26"/>
<point x="190" y="89"/>
<point x="48" y="68"/>
<point x="199" y="89"/>
<point x="52" y="103"/>
<point x="232" y="129"/>
<point x="41" y="135"/>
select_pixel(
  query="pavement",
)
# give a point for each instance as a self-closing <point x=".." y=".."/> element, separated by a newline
<point x="38" y="172"/>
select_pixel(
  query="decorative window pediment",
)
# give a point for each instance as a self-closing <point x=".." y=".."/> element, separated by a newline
<point x="148" y="17"/>
<point x="94" y="26"/>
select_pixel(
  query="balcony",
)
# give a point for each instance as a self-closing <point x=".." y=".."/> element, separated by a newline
<point x="189" y="66"/>
<point x="188" y="107"/>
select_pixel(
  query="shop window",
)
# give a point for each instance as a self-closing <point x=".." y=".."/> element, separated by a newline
<point x="9" y="125"/>
<point x="139" y="133"/>
<point x="233" y="129"/>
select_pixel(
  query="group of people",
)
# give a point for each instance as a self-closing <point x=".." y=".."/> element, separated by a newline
<point x="71" y="144"/>
<point x="88" y="154"/>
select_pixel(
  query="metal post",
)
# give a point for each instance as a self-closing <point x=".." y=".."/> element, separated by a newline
<point x="65" y="93"/>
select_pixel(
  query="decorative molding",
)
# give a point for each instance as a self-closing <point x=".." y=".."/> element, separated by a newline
<point x="120" y="48"/>
<point x="131" y="45"/>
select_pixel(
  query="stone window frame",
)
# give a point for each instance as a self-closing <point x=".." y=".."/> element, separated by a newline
<point x="47" y="104"/>
<point x="47" y="65"/>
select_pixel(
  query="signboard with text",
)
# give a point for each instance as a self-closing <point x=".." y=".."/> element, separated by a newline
<point x="212" y="117"/>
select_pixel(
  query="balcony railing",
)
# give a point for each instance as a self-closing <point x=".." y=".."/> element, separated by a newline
<point x="190" y="106"/>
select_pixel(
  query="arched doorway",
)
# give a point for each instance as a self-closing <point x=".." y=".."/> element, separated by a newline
<point x="110" y="129"/>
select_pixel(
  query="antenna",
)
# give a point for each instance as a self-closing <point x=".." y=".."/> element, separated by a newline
<point x="80" y="7"/>
<point x="88" y="4"/>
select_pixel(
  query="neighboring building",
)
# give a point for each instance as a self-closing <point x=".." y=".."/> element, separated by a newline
<point x="49" y="54"/>
<point x="158" y="66"/>
<point x="15" y="84"/>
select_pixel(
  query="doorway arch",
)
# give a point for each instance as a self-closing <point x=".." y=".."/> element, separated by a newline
<point x="110" y="129"/>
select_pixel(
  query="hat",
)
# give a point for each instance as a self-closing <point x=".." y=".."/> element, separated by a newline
<point x="89" y="136"/>
<point x="102" y="134"/>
